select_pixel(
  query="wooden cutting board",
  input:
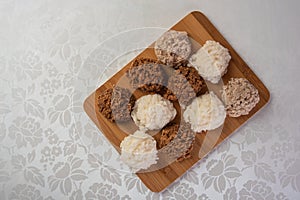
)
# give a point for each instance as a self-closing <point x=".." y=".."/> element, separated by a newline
<point x="200" y="29"/>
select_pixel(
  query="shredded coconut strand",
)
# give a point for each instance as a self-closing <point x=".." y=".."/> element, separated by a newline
<point x="152" y="112"/>
<point x="206" y="112"/>
<point x="139" y="151"/>
<point x="240" y="97"/>
<point x="211" y="61"/>
<point x="173" y="47"/>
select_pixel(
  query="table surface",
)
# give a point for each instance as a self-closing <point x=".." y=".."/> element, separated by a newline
<point x="49" y="149"/>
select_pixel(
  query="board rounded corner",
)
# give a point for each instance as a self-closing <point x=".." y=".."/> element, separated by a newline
<point x="199" y="14"/>
<point x="269" y="97"/>
<point x="84" y="105"/>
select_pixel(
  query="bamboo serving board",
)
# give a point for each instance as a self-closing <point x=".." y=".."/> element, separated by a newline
<point x="200" y="29"/>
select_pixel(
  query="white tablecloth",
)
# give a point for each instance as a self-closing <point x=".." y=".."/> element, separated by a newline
<point x="49" y="147"/>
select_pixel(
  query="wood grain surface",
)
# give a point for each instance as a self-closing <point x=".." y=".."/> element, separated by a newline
<point x="200" y="29"/>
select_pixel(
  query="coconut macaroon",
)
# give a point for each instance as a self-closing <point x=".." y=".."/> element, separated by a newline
<point x="239" y="96"/>
<point x="184" y="85"/>
<point x="173" y="47"/>
<point x="176" y="141"/>
<point x="153" y="112"/>
<point x="206" y="112"/>
<point x="211" y="61"/>
<point x="138" y="151"/>
<point x="147" y="75"/>
<point x="116" y="103"/>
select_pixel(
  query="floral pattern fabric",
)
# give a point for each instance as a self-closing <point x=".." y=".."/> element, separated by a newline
<point x="51" y="60"/>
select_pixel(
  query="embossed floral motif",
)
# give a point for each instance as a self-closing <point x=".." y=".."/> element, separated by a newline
<point x="99" y="57"/>
<point x="276" y="150"/>
<point x="50" y="86"/>
<point x="220" y="171"/>
<point x="56" y="151"/>
<point x="67" y="42"/>
<point x="4" y="107"/>
<point x="259" y="131"/>
<point x="281" y="196"/>
<point x="131" y="182"/>
<point x="53" y="139"/>
<point x="52" y="83"/>
<point x="24" y="164"/>
<point x="180" y="191"/>
<point x="55" y="83"/>
<point x="261" y="169"/>
<point x="4" y="174"/>
<point x="73" y="78"/>
<point x="192" y="176"/>
<point x="203" y="197"/>
<point x="23" y="97"/>
<point x="153" y="196"/>
<point x="2" y="131"/>
<point x="256" y="190"/>
<point x="52" y="71"/>
<point x="224" y="147"/>
<point x="280" y="151"/>
<point x="291" y="176"/>
<point x="26" y="130"/>
<point x="230" y="194"/>
<point x="61" y="109"/>
<point x="76" y="195"/>
<point x="64" y="106"/>
<point x="71" y="146"/>
<point x="282" y="133"/>
<point x="46" y="151"/>
<point x="46" y="88"/>
<point x="97" y="164"/>
<point x="102" y="191"/>
<point x="48" y="132"/>
<point x="296" y="144"/>
<point x="49" y="198"/>
<point x="126" y="197"/>
<point x="25" y="192"/>
<point x="49" y="155"/>
<point x="27" y="65"/>
<point x="93" y="135"/>
<point x="2" y="65"/>
<point x="66" y="174"/>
